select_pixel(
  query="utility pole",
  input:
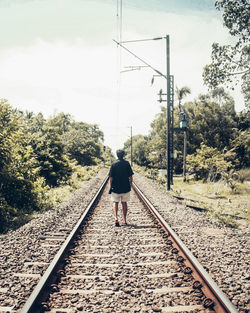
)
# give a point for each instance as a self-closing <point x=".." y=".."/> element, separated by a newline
<point x="170" y="97"/>
<point x="131" y="142"/>
<point x="168" y="114"/>
<point x="184" y="156"/>
<point x="172" y="127"/>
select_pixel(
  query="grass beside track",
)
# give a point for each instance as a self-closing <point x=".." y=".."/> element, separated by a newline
<point x="231" y="207"/>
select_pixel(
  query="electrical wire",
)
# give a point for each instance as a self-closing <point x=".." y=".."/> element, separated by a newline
<point x="119" y="13"/>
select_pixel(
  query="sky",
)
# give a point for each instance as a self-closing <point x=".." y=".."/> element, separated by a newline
<point x="60" y="56"/>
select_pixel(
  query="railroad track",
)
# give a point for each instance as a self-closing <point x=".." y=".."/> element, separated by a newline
<point x="142" y="267"/>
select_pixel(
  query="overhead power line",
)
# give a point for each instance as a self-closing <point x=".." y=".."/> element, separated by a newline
<point x="158" y="72"/>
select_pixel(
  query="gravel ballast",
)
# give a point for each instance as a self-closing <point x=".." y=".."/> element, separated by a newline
<point x="38" y="242"/>
<point x="222" y="251"/>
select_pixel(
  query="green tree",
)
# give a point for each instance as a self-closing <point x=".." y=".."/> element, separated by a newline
<point x="108" y="156"/>
<point x="61" y="122"/>
<point x="83" y="143"/>
<point x="209" y="123"/>
<point x="140" y="150"/>
<point x="35" y="156"/>
<point x="241" y="145"/>
<point x="158" y="139"/>
<point x="212" y="121"/>
<point x="236" y="17"/>
<point x="208" y="161"/>
<point x="81" y="148"/>
<point x="225" y="101"/>
<point x="243" y="120"/>
<point x="180" y="94"/>
<point x="91" y="130"/>
<point x="231" y="63"/>
<point x="8" y="129"/>
<point x="46" y="141"/>
<point x="21" y="188"/>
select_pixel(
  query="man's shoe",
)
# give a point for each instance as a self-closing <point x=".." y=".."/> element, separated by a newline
<point x="117" y="223"/>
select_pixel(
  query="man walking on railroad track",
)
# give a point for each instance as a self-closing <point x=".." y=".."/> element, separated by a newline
<point x="120" y="178"/>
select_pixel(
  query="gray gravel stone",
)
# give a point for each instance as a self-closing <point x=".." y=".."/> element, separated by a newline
<point x="220" y="249"/>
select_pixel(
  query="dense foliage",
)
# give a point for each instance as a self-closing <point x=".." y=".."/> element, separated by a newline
<point x="218" y="138"/>
<point x="37" y="154"/>
<point x="208" y="162"/>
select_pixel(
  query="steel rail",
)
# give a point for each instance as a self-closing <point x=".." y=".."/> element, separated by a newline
<point x="32" y="304"/>
<point x="221" y="303"/>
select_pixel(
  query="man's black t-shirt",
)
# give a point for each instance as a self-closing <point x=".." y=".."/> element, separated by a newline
<point x="120" y="171"/>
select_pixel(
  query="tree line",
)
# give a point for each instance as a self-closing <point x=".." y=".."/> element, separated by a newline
<point x="39" y="154"/>
<point x="218" y="138"/>
<point x="214" y="129"/>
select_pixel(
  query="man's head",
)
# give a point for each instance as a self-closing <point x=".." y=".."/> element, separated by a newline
<point x="120" y="154"/>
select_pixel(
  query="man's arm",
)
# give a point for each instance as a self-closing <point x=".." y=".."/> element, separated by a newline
<point x="110" y="182"/>
<point x="130" y="180"/>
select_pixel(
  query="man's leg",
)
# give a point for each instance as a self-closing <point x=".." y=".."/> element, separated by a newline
<point x="124" y="211"/>
<point x="115" y="211"/>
